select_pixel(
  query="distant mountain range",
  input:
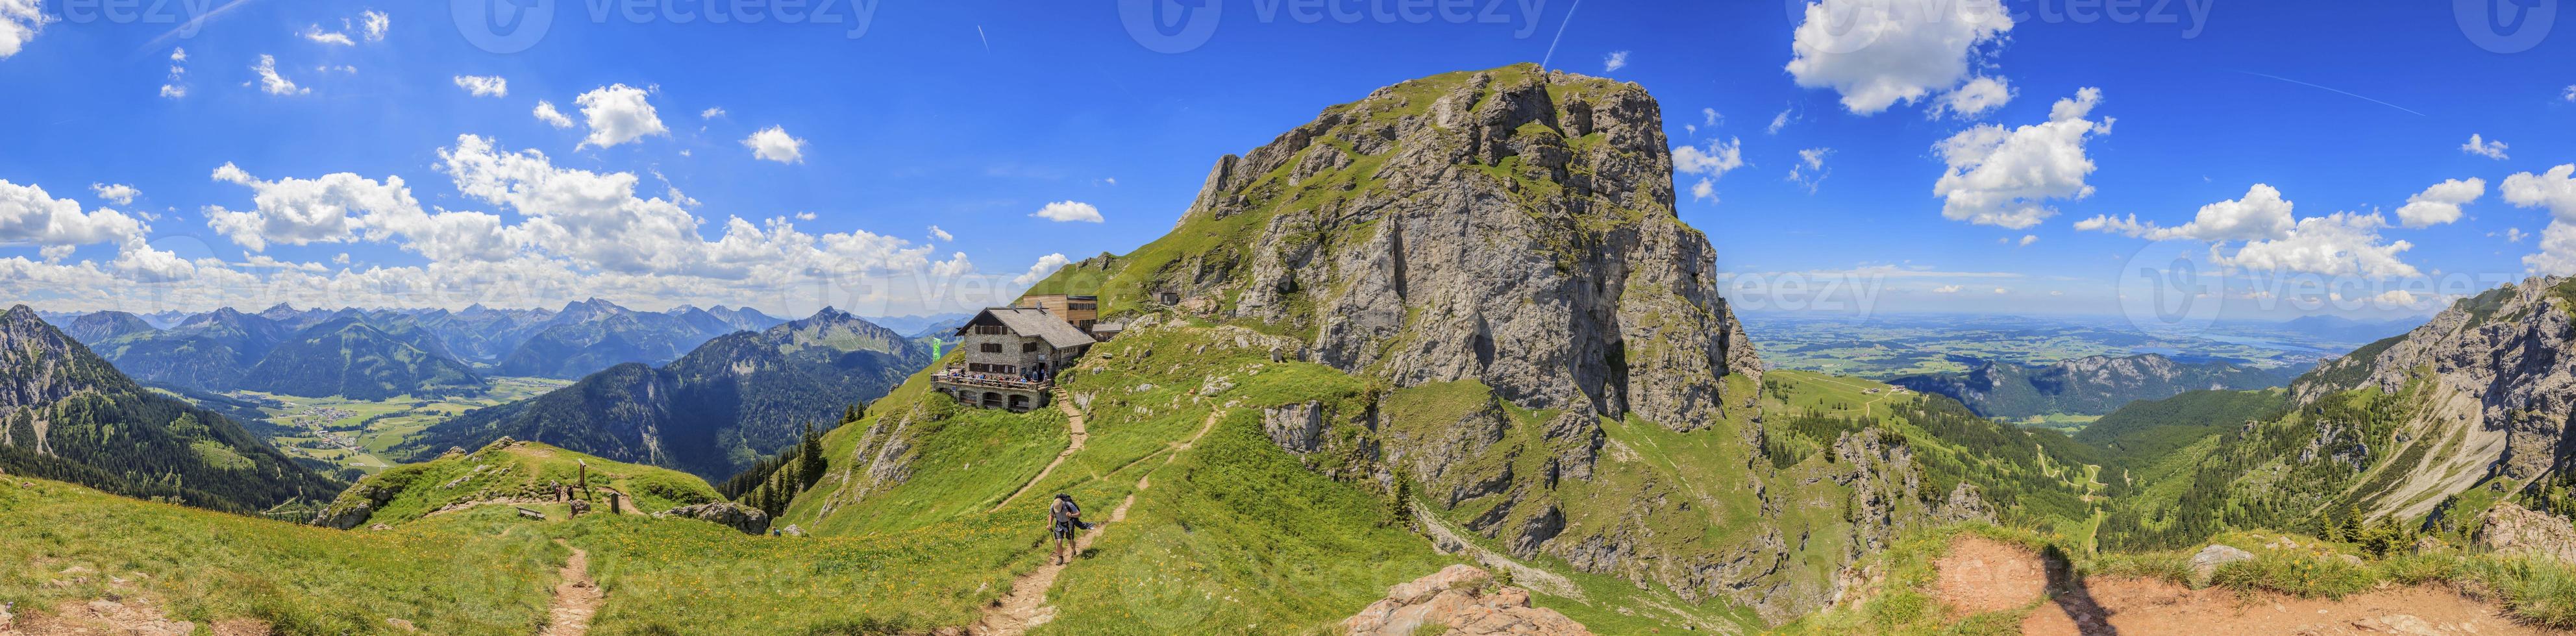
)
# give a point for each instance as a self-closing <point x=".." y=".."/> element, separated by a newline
<point x="385" y="353"/>
<point x="712" y="412"/>
<point x="66" y="414"/>
<point x="916" y="326"/>
<point x="2093" y="385"/>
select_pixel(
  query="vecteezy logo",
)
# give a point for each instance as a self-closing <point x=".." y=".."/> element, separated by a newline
<point x="2505" y="26"/>
<point x="2163" y="289"/>
<point x="502" y="26"/>
<point x="1170" y="26"/>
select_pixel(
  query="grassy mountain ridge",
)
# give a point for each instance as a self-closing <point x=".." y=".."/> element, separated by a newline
<point x="2094" y="385"/>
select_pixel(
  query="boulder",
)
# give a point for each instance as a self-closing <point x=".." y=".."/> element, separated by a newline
<point x="725" y="513"/>
<point x="1457" y="599"/>
<point x="2205" y="564"/>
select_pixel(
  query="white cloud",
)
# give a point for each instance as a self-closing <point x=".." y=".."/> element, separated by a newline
<point x="2514" y="235"/>
<point x="1709" y="117"/>
<point x="2441" y="203"/>
<point x="120" y="193"/>
<point x="175" y="87"/>
<point x="332" y="209"/>
<point x="806" y="216"/>
<point x="2570" y="95"/>
<point x="1810" y="169"/>
<point x="1704" y="189"/>
<point x="2480" y="146"/>
<point x="546" y="113"/>
<point x="326" y="68"/>
<point x="29" y="216"/>
<point x="1066" y="211"/>
<point x="2001" y="177"/>
<point x="1777" y="122"/>
<point x="774" y="144"/>
<point x="334" y="38"/>
<point x="1880" y="52"/>
<point x="1614" y="61"/>
<point x="272" y="83"/>
<point x="2339" y="244"/>
<point x="376" y="24"/>
<point x="2262" y="214"/>
<point x="712" y="112"/>
<point x="2027" y="239"/>
<point x="484" y="85"/>
<point x="940" y="234"/>
<point x="1045" y="267"/>
<point x="2556" y="191"/>
<point x="1974" y="99"/>
<point x="19" y="22"/>
<point x="1714" y="162"/>
<point x="1946" y="289"/>
<point x="618" y="114"/>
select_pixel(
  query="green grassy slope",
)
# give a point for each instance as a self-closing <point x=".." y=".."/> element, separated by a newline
<point x="512" y="471"/>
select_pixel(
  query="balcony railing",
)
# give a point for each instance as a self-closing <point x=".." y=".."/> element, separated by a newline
<point x="989" y="381"/>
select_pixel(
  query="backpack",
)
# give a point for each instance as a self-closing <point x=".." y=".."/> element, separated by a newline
<point x="1071" y="509"/>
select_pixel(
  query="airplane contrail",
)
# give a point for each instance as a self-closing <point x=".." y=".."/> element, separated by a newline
<point x="2338" y="90"/>
<point x="1560" y="34"/>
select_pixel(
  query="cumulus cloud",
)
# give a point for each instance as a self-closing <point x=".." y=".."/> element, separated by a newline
<point x="1712" y="162"/>
<point x="1614" y="61"/>
<point x="2274" y="240"/>
<point x="1705" y="189"/>
<point x="774" y="144"/>
<point x="2482" y="147"/>
<point x="484" y="85"/>
<point x="376" y="23"/>
<point x="1975" y="98"/>
<point x="1777" y="122"/>
<point x="1045" y="267"/>
<point x="711" y="113"/>
<point x="1876" y="53"/>
<point x="330" y="209"/>
<point x="1068" y="211"/>
<point x="2002" y="177"/>
<point x="2339" y="244"/>
<point x="617" y="114"/>
<point x="272" y="83"/>
<point x="1709" y="117"/>
<point x="546" y="113"/>
<point x="2260" y="214"/>
<point x="29" y="216"/>
<point x="1946" y="289"/>
<point x="19" y="22"/>
<point x="940" y="234"/>
<point x="2555" y="191"/>
<point x="2027" y="239"/>
<point x="120" y="193"/>
<point x="2441" y="203"/>
<point x="2513" y="235"/>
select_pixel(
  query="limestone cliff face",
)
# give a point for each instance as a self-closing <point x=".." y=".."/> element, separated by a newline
<point x="2504" y="361"/>
<point x="1510" y="226"/>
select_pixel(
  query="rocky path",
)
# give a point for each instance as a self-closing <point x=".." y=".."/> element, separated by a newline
<point x="1079" y="434"/>
<point x="577" y="598"/>
<point x="1026" y="607"/>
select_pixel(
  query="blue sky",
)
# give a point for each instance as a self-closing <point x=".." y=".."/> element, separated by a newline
<point x="975" y="116"/>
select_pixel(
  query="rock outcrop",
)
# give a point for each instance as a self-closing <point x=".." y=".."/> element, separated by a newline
<point x="2515" y="529"/>
<point x="2509" y="354"/>
<point x="1512" y="226"/>
<point x="1462" y="601"/>
<point x="724" y="513"/>
<point x="2204" y="564"/>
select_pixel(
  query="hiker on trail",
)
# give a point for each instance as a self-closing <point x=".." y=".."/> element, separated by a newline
<point x="1063" y="519"/>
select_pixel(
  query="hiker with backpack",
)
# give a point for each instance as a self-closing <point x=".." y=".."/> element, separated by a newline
<point x="1064" y="517"/>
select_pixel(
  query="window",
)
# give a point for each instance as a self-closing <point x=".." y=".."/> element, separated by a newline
<point x="1028" y="347"/>
<point x="991" y="330"/>
<point x="992" y="347"/>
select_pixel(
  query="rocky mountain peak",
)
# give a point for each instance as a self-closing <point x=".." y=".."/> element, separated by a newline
<point x="1513" y="226"/>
